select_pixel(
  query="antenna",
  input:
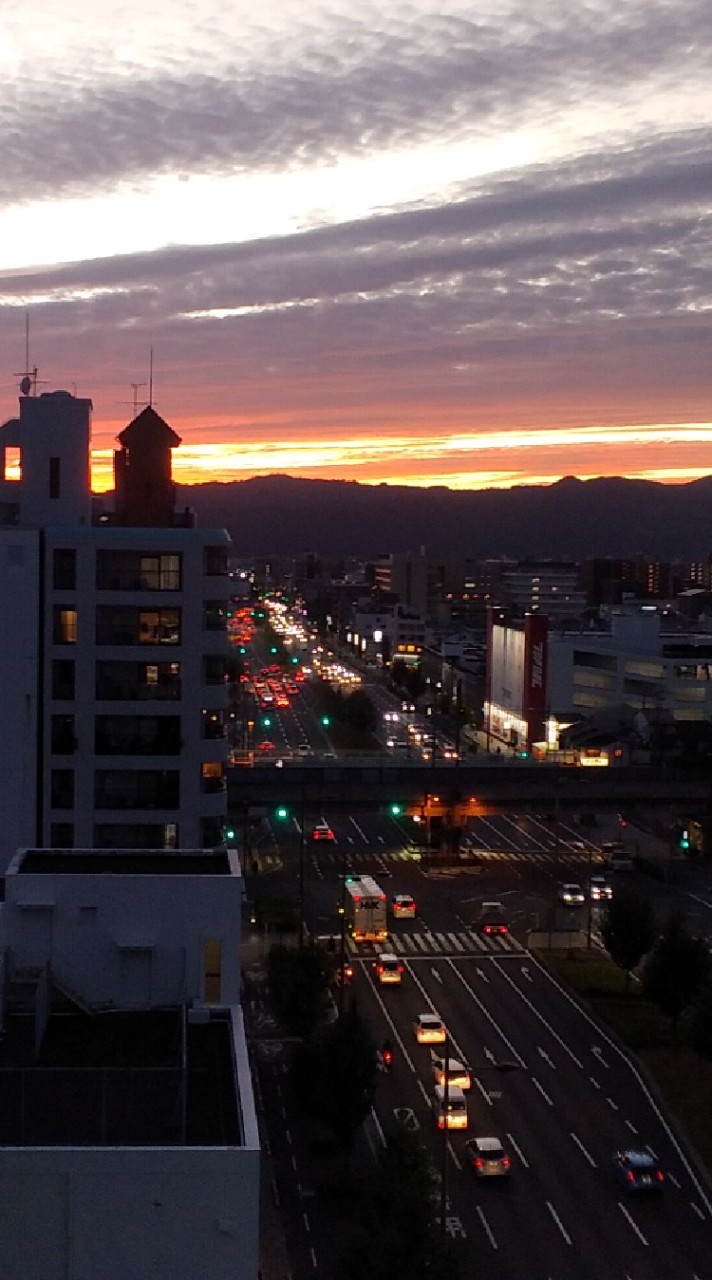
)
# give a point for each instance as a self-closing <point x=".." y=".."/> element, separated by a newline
<point x="28" y="384"/>
<point x="150" y="377"/>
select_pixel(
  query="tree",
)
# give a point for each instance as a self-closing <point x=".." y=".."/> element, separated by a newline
<point x="335" y="1076"/>
<point x="398" y="672"/>
<point x="299" y="982"/>
<point x="628" y="930"/>
<point x="676" y="969"/>
<point x="400" y="1236"/>
<point x="360" y="712"/>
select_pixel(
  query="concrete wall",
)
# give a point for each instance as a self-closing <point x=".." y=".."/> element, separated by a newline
<point x="131" y="941"/>
<point x="19" y="604"/>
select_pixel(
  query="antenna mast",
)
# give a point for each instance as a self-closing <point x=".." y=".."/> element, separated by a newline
<point x="28" y="383"/>
<point x="150" y="377"/>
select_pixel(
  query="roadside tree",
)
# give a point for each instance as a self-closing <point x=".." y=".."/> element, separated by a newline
<point x="628" y="930"/>
<point x="696" y="1021"/>
<point x="676" y="969"/>
<point x="335" y="1076"/>
<point x="299" y="980"/>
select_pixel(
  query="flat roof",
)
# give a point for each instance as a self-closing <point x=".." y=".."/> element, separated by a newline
<point x="117" y="862"/>
<point x="116" y="1079"/>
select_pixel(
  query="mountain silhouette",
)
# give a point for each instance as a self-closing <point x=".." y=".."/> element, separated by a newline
<point x="572" y="519"/>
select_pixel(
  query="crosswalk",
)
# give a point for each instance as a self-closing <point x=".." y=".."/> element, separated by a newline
<point x="368" y="858"/>
<point x="460" y="942"/>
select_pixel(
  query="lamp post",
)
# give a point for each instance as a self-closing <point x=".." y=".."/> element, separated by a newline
<point x="443" y="1156"/>
<point x="300" y="938"/>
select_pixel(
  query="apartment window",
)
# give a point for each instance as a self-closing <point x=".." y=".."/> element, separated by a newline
<point x="214" y="618"/>
<point x="55" y="468"/>
<point x="214" y="669"/>
<point x="137" y="681"/>
<point x="160" y="573"/>
<point x="63" y="674"/>
<point x="159" y="626"/>
<point x="64" y="569"/>
<point x="136" y="789"/>
<point x="132" y="835"/>
<point x="213" y="724"/>
<point x="137" y="735"/>
<point x="62" y="789"/>
<point x="212" y="775"/>
<point x="12" y="469"/>
<point x="62" y="737"/>
<point x="61" y="835"/>
<point x="64" y="630"/>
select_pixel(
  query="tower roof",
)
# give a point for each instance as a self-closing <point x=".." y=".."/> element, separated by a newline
<point x="148" y="428"/>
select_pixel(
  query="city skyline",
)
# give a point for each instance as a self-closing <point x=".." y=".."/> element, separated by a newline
<point x="450" y="248"/>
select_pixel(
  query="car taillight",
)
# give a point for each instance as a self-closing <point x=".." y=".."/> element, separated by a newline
<point x="506" y="1161"/>
<point x="630" y="1176"/>
<point x="479" y="1163"/>
<point x="400" y="968"/>
<point x="661" y="1176"/>
<point x="488" y="928"/>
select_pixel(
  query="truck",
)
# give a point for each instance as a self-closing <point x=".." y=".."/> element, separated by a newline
<point x="365" y="908"/>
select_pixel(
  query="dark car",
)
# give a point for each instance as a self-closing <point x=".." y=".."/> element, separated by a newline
<point x="637" y="1170"/>
<point x="492" y="918"/>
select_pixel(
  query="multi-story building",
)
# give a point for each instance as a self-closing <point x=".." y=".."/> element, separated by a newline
<point x="112" y="643"/>
<point x="129" y="1143"/>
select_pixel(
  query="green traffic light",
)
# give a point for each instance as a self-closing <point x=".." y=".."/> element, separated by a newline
<point x="295" y="660"/>
<point x="395" y="810"/>
<point x="273" y="649"/>
<point x="230" y="833"/>
<point x="282" y="813"/>
<point x="266" y="722"/>
<point x="326" y="721"/>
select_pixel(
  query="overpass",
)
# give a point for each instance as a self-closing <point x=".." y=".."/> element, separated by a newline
<point x="373" y="782"/>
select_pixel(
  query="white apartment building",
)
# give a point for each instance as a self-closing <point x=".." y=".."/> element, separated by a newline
<point x="129" y="1146"/>
<point x="112" y="643"/>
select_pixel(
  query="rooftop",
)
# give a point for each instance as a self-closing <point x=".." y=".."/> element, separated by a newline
<point x="117" y="1079"/>
<point x="124" y="862"/>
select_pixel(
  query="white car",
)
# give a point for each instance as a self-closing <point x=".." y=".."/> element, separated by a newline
<point x="388" y="968"/>
<point x="450" y="1107"/>
<point x="429" y="1029"/>
<point x="572" y="895"/>
<point x="403" y="906"/>
<point x="457" y="1073"/>
<point x="601" y="890"/>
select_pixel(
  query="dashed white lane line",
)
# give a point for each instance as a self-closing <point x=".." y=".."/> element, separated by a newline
<point x="558" y="1222"/>
<point x="487" y="1227"/>
<point x="633" y="1224"/>
<point x="584" y="1152"/>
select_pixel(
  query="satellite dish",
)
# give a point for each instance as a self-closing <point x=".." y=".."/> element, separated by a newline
<point x="26" y="385"/>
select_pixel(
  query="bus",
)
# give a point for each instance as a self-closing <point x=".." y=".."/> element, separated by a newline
<point x="365" y="906"/>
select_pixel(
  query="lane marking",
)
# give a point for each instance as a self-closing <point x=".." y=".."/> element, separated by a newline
<point x="518" y="1150"/>
<point x="594" y="1082"/>
<point x="583" y="1150"/>
<point x="483" y="1091"/>
<point x="633" y="1224"/>
<point x="697" y="1209"/>
<point x="631" y="1126"/>
<point x="538" y="1015"/>
<point x="558" y="1222"/>
<point x="542" y="1090"/>
<point x="546" y="1057"/>
<point x="486" y="1225"/>
<point x="492" y="1021"/>
<point x="613" y="1105"/>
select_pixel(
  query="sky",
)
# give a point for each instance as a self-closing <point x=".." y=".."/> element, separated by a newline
<point x="464" y="245"/>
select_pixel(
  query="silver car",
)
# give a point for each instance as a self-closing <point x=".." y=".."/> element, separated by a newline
<point x="487" y="1158"/>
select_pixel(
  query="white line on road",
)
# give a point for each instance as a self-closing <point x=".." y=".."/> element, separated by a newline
<point x="486" y="1225"/>
<point x="633" y="1224"/>
<point x="313" y="1258"/>
<point x="542" y="1090"/>
<point x="525" y="973"/>
<point x="436" y="975"/>
<point x="538" y="1015"/>
<point x="613" y="1105"/>
<point x="595" y="1083"/>
<point x="518" y="1150"/>
<point x="360" y="830"/>
<point x="481" y="974"/>
<point x="697" y="1209"/>
<point x="453" y="1156"/>
<point x="583" y="1150"/>
<point x="631" y="1126"/>
<point x="483" y="1091"/>
<point x="546" y="1057"/>
<point x="379" y="1128"/>
<point x="558" y="1222"/>
<point x="487" y="1014"/>
<point x="424" y="1092"/>
<point x="305" y="1220"/>
<point x="596" y="1049"/>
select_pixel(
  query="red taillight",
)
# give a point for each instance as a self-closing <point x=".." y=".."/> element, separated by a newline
<point x="400" y="968"/>
<point x="630" y="1176"/>
<point x="479" y="1164"/>
<point x="388" y="1057"/>
<point x="506" y="1161"/>
<point x="488" y="928"/>
<point x="661" y="1176"/>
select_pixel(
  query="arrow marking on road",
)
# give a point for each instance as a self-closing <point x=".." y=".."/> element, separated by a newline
<point x="546" y="1057"/>
<point x="489" y="1055"/>
<point x="595" y="1048"/>
<point x="525" y="973"/>
<point x="481" y="974"/>
<point x="435" y="974"/>
<point x="407" y="1117"/>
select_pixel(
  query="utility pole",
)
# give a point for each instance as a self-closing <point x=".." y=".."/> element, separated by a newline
<point x="301" y="872"/>
<point x="342" y="940"/>
<point x="443" y="1157"/>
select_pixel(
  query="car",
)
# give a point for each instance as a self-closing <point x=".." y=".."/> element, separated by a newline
<point x="389" y="969"/>
<point x="322" y="831"/>
<point x="637" y="1170"/>
<point x="265" y="746"/>
<point x="429" y="1029"/>
<point x="450" y="1107"/>
<point x="492" y="918"/>
<point x="457" y="1073"/>
<point x="600" y="889"/>
<point x="571" y="895"/>
<point x="487" y="1158"/>
<point x="403" y="906"/>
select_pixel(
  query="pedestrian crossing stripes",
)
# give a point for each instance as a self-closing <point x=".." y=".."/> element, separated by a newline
<point x="339" y="859"/>
<point x="427" y="943"/>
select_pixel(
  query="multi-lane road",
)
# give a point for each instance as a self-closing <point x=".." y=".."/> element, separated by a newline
<point x="559" y="1093"/>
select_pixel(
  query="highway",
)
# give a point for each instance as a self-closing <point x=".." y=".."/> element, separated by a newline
<point x="559" y="1093"/>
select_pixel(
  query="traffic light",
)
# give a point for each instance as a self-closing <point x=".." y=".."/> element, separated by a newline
<point x="326" y="721"/>
<point x="281" y="812"/>
<point x="395" y="810"/>
<point x="230" y="833"/>
<point x="684" y="841"/>
<point x="295" y="659"/>
<point x="273" y="648"/>
<point x="266" y="722"/>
